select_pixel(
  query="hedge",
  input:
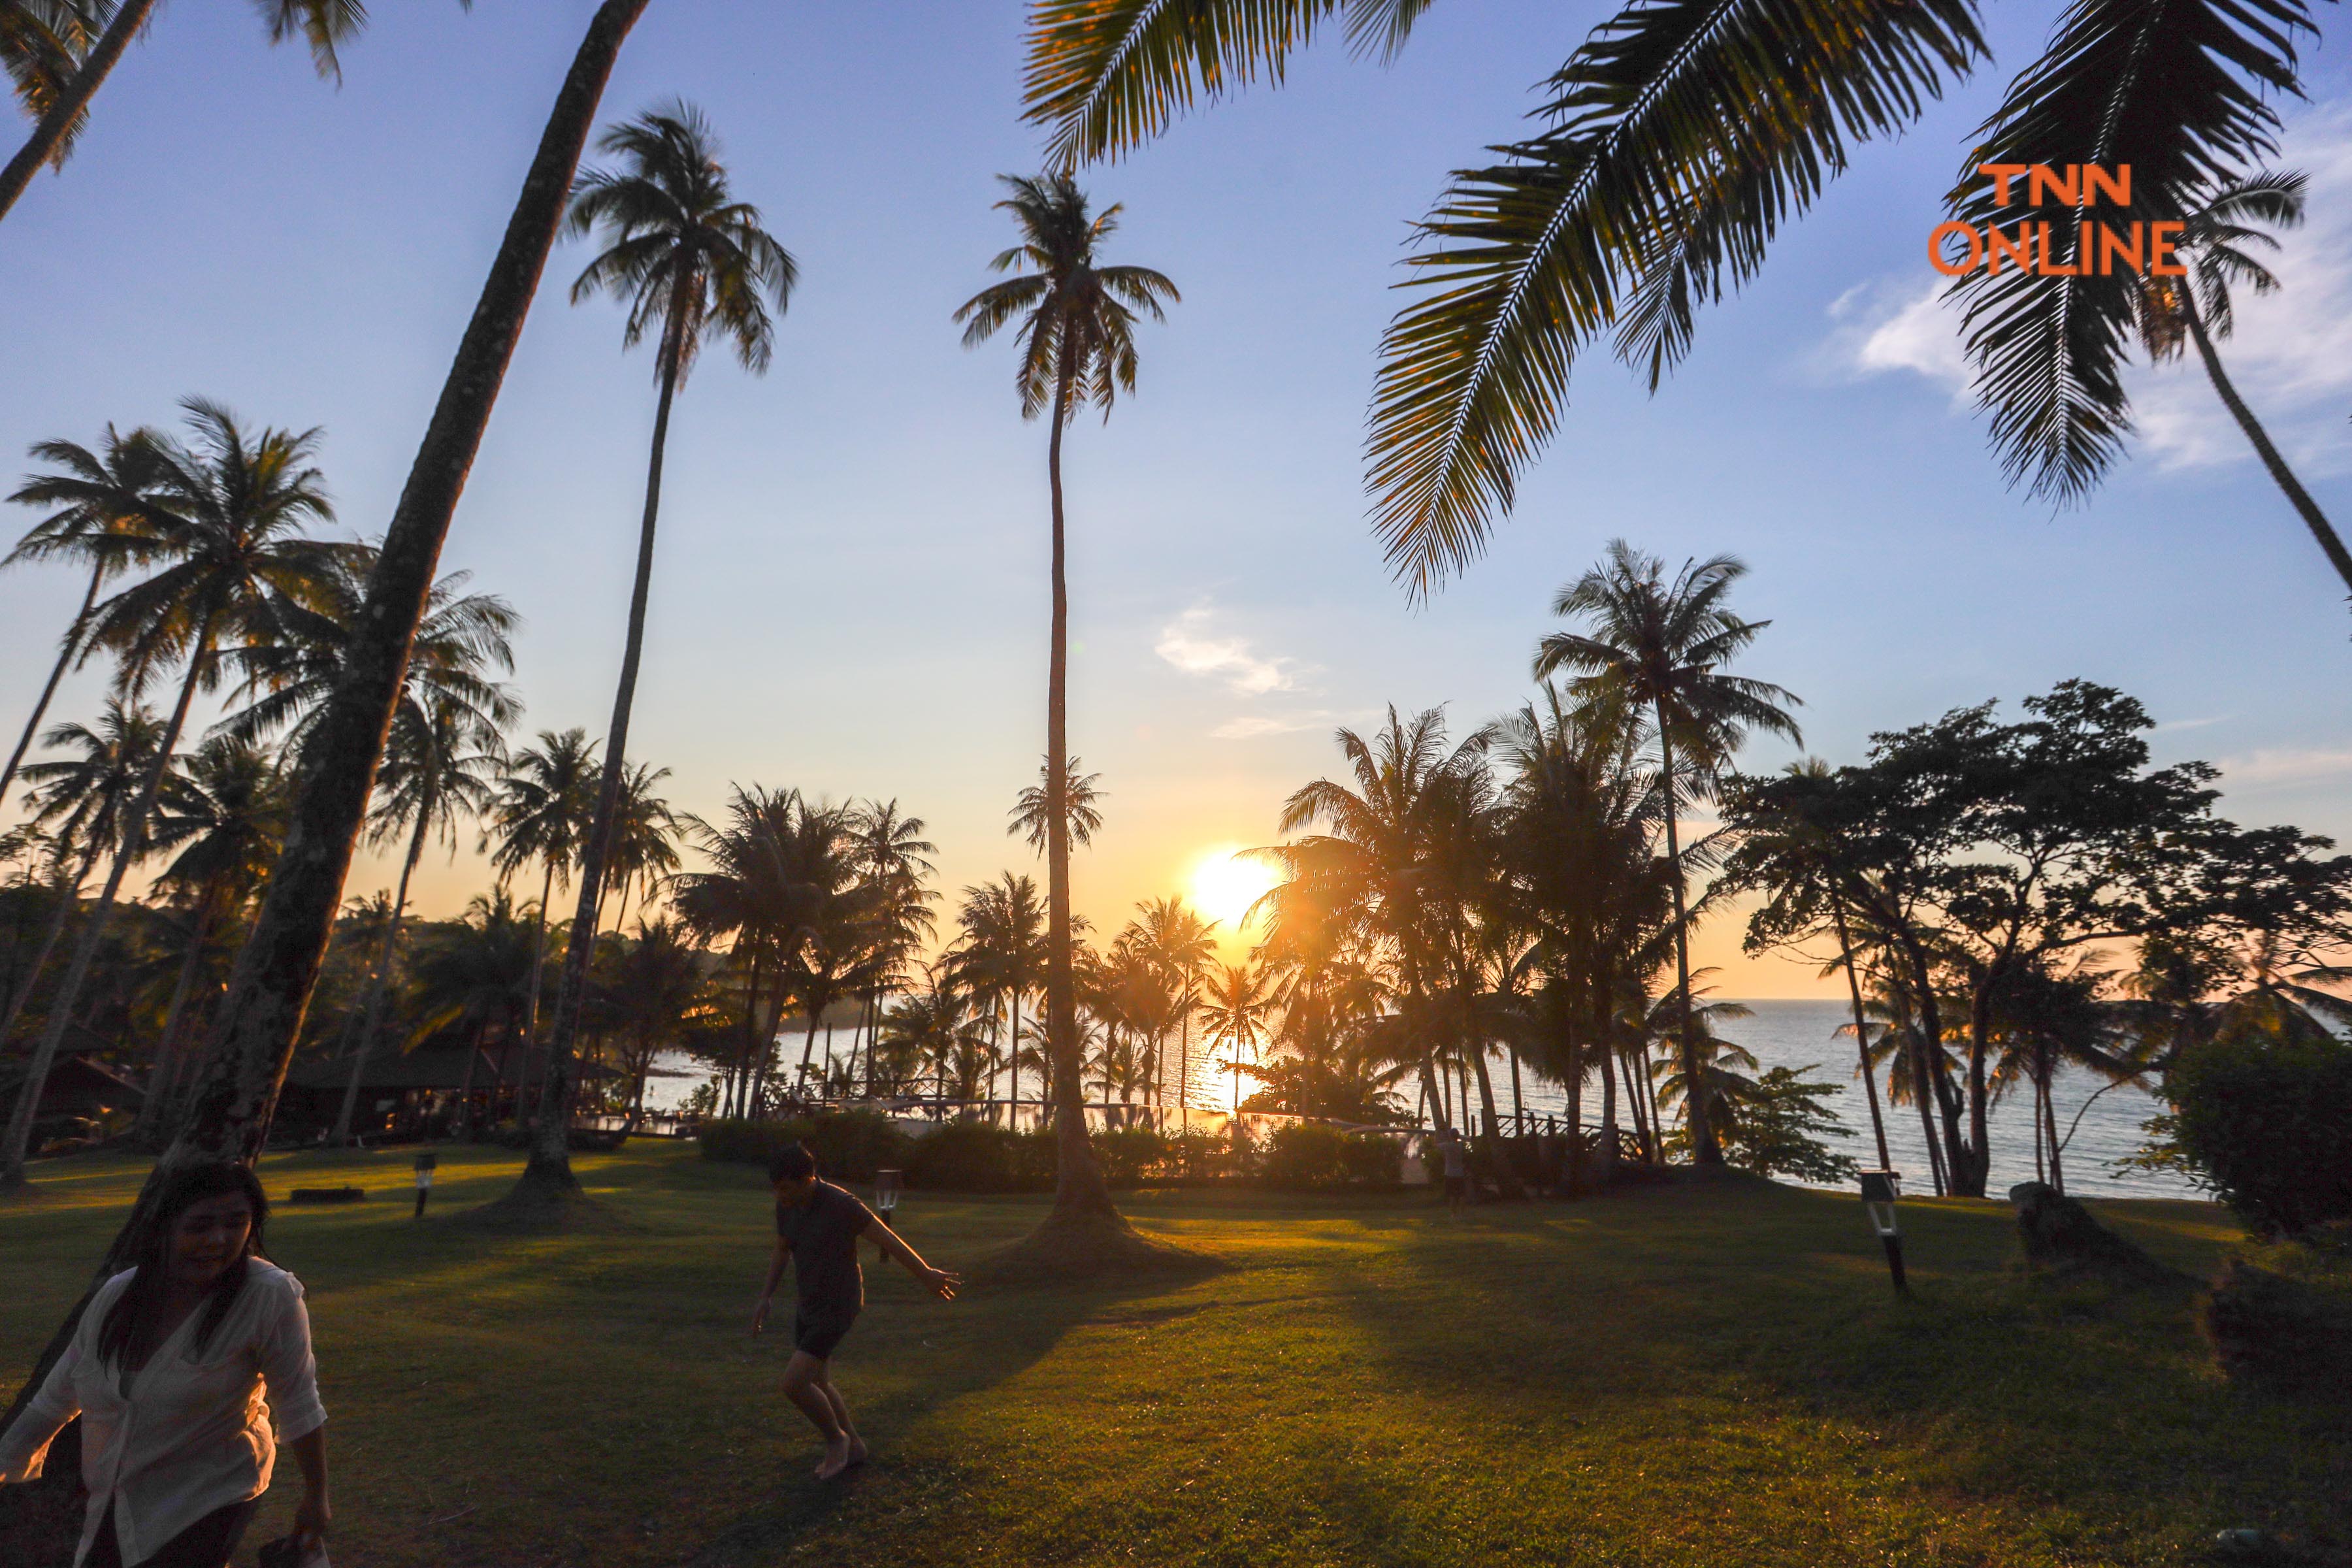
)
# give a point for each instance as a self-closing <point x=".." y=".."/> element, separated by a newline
<point x="2267" y="1122"/>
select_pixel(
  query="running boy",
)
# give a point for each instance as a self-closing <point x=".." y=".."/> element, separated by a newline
<point x="817" y="1227"/>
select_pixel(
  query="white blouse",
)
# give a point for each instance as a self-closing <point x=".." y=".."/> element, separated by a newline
<point x="189" y="1432"/>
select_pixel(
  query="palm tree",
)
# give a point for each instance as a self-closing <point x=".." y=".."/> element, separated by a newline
<point x="221" y="519"/>
<point x="893" y="857"/>
<point x="1240" y="997"/>
<point x="260" y="1016"/>
<point x="2215" y="241"/>
<point x="1366" y="882"/>
<point x="62" y="98"/>
<point x="471" y="974"/>
<point x="692" y="263"/>
<point x="1677" y="140"/>
<point x="81" y="802"/>
<point x="1181" y="947"/>
<point x="1000" y="954"/>
<point x="652" y="991"/>
<point x="97" y="495"/>
<point x="643" y="848"/>
<point x="1078" y="345"/>
<point x="540" y="814"/>
<point x="439" y="764"/>
<point x="225" y="813"/>
<point x="1662" y="647"/>
<point x="747" y="894"/>
<point x="41" y="45"/>
<point x="1079" y="795"/>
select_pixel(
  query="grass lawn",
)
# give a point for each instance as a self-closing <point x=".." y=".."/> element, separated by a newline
<point x="1676" y="1376"/>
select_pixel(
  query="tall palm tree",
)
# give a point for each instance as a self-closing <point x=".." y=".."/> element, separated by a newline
<point x="63" y="99"/>
<point x="220" y="520"/>
<point x="652" y="991"/>
<point x="1078" y="345"/>
<point x="1236" y="1010"/>
<point x="642" y="847"/>
<point x="539" y="817"/>
<point x="1181" y="948"/>
<point x="440" y="762"/>
<point x="1079" y="795"/>
<point x="41" y="45"/>
<point x="748" y="894"/>
<point x="2216" y="240"/>
<point x="691" y="263"/>
<point x="893" y="857"/>
<point x="1662" y="647"/>
<point x="80" y="801"/>
<point x="223" y="814"/>
<point x="96" y="494"/>
<point x="1675" y="142"/>
<point x="1000" y="954"/>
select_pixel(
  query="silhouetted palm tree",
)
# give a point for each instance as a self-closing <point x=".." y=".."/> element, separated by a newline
<point x="439" y="767"/>
<point x="691" y="263"/>
<point x="1662" y="647"/>
<point x="219" y="521"/>
<point x="1079" y="795"/>
<point x="1078" y="345"/>
<point x="1237" y="1011"/>
<point x="1181" y="947"/>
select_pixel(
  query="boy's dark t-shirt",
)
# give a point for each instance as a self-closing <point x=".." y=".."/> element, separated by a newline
<point x="823" y="1234"/>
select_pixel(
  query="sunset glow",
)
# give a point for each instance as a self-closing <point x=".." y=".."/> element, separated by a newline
<point x="1225" y="883"/>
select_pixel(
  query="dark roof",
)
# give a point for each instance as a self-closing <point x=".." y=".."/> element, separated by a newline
<point x="71" y="1074"/>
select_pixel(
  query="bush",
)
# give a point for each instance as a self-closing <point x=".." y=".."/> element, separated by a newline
<point x="1131" y="1156"/>
<point x="2263" y="1120"/>
<point x="1305" y="1157"/>
<point x="849" y="1146"/>
<point x="976" y="1157"/>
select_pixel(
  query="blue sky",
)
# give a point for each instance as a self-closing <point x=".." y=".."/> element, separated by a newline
<point x="850" y="594"/>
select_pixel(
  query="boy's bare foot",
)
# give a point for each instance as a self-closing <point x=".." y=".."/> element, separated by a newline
<point x="836" y="1459"/>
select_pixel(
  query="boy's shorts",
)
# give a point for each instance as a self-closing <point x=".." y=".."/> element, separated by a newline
<point x="819" y="1337"/>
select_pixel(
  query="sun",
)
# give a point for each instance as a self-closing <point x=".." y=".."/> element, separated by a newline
<point x="1225" y="883"/>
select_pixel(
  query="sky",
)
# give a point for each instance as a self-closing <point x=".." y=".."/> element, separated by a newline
<point x="850" y="594"/>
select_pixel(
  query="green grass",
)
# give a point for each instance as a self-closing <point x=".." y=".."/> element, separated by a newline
<point x="1677" y="1375"/>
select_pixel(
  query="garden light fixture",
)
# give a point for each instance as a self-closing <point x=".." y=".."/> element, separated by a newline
<point x="1879" y="1191"/>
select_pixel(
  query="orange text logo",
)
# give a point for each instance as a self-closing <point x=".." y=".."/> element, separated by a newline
<point x="2076" y="248"/>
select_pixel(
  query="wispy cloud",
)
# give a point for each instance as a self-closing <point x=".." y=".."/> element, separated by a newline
<point x="1249" y="727"/>
<point x="1189" y="643"/>
<point x="2285" y="765"/>
<point x="2291" y="354"/>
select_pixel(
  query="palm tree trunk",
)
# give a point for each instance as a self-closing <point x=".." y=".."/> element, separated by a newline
<point x="1013" y="1114"/>
<point x="56" y="673"/>
<point x="382" y="981"/>
<point x="261" y="1016"/>
<point x="163" y="1072"/>
<point x="1705" y="1150"/>
<point x="1079" y="1195"/>
<point x="48" y="138"/>
<point x="2299" y="498"/>
<point x="1921" y="1093"/>
<point x="548" y="1172"/>
<point x="2050" y="1130"/>
<point x="1608" y="1151"/>
<point x="538" y="969"/>
<point x="1861" y="1034"/>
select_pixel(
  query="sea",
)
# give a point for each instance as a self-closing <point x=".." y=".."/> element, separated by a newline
<point x="1802" y="1034"/>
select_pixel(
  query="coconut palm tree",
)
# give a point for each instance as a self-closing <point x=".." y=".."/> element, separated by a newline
<point x="97" y="495"/>
<point x="440" y="765"/>
<point x="643" y="848"/>
<point x="2216" y="241"/>
<point x="81" y="802"/>
<point x="652" y="992"/>
<point x="1181" y="948"/>
<point x="1675" y="142"/>
<point x="894" y="858"/>
<point x="748" y="895"/>
<point x="1662" y="647"/>
<point x="259" y="1020"/>
<point x="691" y="263"/>
<point x="539" y="817"/>
<point x="1078" y="346"/>
<point x="61" y="96"/>
<point x="1236" y="1011"/>
<point x="1000" y="954"/>
<point x="1079" y="795"/>
<point x="41" y="45"/>
<point x="219" y="521"/>
<point x="223" y="813"/>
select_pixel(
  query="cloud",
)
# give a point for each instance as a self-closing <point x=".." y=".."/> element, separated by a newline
<point x="1249" y="727"/>
<point x="1187" y="644"/>
<point x="2285" y="765"/>
<point x="2290" y="356"/>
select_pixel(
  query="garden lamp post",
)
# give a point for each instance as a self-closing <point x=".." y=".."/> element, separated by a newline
<point x="424" y="1163"/>
<point x="1879" y="1191"/>
<point x="887" y="1185"/>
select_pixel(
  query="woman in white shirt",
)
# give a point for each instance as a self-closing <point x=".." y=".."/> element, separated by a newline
<point x="167" y="1370"/>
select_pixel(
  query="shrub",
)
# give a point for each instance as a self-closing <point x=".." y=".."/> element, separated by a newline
<point x="1131" y="1156"/>
<point x="2263" y="1120"/>
<point x="849" y="1146"/>
<point x="976" y="1157"/>
<point x="1194" y="1155"/>
<point x="1305" y="1157"/>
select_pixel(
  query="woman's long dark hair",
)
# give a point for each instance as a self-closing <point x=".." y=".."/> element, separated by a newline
<point x="128" y="1331"/>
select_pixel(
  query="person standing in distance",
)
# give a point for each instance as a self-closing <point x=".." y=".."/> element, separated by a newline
<point x="817" y="1227"/>
<point x="166" y="1372"/>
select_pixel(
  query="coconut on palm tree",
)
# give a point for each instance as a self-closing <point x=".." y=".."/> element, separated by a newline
<point x="1076" y="334"/>
<point x="219" y="522"/>
<point x="690" y="262"/>
<point x="1662" y="646"/>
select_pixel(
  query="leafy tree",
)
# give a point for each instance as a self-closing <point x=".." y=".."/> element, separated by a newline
<point x="1777" y="1124"/>
<point x="691" y="263"/>
<point x="1078" y="345"/>
<point x="1662" y="647"/>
